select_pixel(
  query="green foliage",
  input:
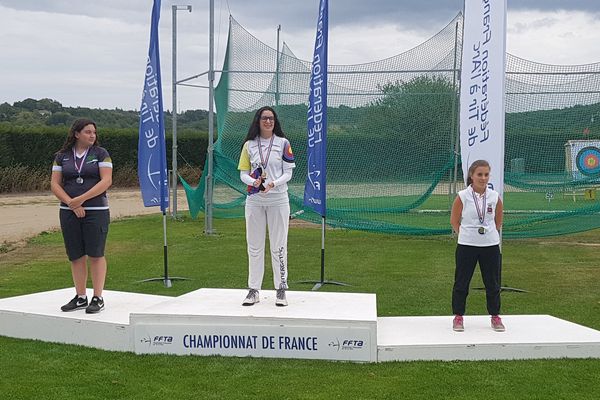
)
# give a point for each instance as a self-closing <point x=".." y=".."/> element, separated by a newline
<point x="38" y="105"/>
<point x="31" y="112"/>
<point x="20" y="178"/>
<point x="539" y="137"/>
<point x="419" y="115"/>
<point x="36" y="146"/>
<point x="26" y="154"/>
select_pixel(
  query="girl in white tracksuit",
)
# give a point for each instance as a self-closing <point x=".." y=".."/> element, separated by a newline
<point x="266" y="164"/>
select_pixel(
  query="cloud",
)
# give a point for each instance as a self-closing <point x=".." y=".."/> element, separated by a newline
<point x="591" y="6"/>
<point x="80" y="63"/>
<point x="92" y="53"/>
<point x="558" y="37"/>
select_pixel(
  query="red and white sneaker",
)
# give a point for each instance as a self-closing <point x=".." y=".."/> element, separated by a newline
<point x="457" y="323"/>
<point x="497" y="324"/>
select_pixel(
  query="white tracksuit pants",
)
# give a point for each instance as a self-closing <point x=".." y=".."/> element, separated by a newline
<point x="277" y="218"/>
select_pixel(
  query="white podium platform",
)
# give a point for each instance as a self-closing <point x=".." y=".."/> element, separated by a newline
<point x="331" y="326"/>
<point x="315" y="325"/>
<point x="38" y="316"/>
<point x="526" y="337"/>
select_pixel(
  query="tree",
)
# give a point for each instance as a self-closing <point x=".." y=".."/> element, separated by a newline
<point x="59" y="118"/>
<point x="418" y="116"/>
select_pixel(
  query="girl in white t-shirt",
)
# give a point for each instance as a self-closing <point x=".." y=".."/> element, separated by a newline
<point x="266" y="164"/>
<point x="477" y="218"/>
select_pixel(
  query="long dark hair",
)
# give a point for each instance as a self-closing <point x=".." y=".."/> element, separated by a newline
<point x="254" y="129"/>
<point x="77" y="127"/>
<point x="474" y="166"/>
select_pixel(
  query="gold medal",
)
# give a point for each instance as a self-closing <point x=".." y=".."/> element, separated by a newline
<point x="481" y="230"/>
<point x="264" y="160"/>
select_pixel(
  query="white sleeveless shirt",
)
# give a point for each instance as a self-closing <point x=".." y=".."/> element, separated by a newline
<point x="470" y="223"/>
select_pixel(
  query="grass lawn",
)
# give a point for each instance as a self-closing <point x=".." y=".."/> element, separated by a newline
<point x="411" y="276"/>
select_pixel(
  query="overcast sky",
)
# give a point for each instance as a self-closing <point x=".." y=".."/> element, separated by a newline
<point x="92" y="52"/>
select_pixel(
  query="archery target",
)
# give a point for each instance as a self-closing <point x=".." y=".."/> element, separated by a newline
<point x="588" y="161"/>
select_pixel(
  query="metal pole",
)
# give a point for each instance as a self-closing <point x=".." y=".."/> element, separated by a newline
<point x="455" y="138"/>
<point x="322" y="282"/>
<point x="208" y="196"/>
<point x="174" y="179"/>
<point x="174" y="85"/>
<point x="277" y="69"/>
<point x="166" y="280"/>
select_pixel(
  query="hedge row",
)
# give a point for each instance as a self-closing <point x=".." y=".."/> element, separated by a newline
<point x="35" y="147"/>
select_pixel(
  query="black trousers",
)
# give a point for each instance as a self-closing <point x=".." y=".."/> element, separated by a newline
<point x="489" y="263"/>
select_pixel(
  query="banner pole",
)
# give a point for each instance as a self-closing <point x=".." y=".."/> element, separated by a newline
<point x="316" y="180"/>
<point x="151" y="141"/>
<point x="322" y="281"/>
<point x="167" y="281"/>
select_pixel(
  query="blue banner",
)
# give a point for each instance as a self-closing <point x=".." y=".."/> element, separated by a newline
<point x="314" y="189"/>
<point x="152" y="156"/>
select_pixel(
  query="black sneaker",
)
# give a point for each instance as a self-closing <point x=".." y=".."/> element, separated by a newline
<point x="75" y="304"/>
<point x="96" y="305"/>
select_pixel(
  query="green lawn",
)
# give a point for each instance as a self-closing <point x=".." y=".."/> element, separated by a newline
<point x="411" y="276"/>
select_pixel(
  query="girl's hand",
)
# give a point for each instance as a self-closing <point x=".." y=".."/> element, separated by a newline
<point x="268" y="187"/>
<point x="75" y="202"/>
<point x="79" y="212"/>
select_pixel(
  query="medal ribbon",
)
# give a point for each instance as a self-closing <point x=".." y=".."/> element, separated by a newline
<point x="480" y="211"/>
<point x="264" y="161"/>
<point x="80" y="167"/>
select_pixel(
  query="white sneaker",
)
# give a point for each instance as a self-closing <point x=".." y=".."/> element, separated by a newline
<point x="251" y="298"/>
<point x="280" y="300"/>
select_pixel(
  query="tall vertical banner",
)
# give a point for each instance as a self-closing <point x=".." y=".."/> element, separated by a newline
<point x="315" y="186"/>
<point x="482" y="100"/>
<point x="152" y="156"/>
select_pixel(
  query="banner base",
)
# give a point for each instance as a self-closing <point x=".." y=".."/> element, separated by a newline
<point x="506" y="289"/>
<point x="319" y="284"/>
<point x="167" y="281"/>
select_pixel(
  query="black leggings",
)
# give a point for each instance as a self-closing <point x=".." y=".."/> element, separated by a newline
<point x="489" y="263"/>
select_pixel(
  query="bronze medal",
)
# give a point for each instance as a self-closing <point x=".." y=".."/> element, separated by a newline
<point x="480" y="210"/>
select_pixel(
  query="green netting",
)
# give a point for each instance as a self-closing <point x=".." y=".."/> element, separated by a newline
<point x="392" y="135"/>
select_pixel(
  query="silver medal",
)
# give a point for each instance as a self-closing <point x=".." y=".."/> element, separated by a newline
<point x="79" y="180"/>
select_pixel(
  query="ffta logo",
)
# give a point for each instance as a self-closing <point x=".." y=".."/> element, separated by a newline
<point x="351" y="344"/>
<point x="347" y="344"/>
<point x="162" y="340"/>
<point x="157" y="340"/>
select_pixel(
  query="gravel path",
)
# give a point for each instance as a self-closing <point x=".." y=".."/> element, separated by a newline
<point x="28" y="214"/>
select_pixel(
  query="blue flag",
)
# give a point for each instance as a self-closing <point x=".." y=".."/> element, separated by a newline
<point x="152" y="156"/>
<point x="314" y="189"/>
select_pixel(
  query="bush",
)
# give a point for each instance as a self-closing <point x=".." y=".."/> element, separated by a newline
<point x="20" y="178"/>
<point x="26" y="155"/>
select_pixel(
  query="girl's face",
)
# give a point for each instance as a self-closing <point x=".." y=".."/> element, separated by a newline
<point x="267" y="121"/>
<point x="87" y="136"/>
<point x="481" y="177"/>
